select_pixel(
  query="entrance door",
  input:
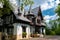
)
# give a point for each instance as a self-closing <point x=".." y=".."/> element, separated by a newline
<point x="37" y="30"/>
<point x="24" y="28"/>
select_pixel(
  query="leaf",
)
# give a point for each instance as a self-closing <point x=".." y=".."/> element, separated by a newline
<point x="26" y="3"/>
<point x="6" y="7"/>
<point x="58" y="10"/>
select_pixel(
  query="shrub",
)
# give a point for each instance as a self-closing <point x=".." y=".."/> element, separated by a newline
<point x="24" y="34"/>
<point x="52" y="33"/>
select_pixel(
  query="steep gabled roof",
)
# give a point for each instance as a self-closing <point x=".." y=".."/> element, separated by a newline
<point x="35" y="10"/>
<point x="22" y="18"/>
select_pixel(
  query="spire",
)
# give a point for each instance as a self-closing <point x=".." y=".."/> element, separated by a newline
<point x="40" y="13"/>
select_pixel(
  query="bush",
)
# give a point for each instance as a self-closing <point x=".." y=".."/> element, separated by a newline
<point x="52" y="33"/>
<point x="24" y="34"/>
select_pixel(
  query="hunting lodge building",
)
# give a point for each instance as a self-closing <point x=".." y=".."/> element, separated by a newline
<point x="16" y="23"/>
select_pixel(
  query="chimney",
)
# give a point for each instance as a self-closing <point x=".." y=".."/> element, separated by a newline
<point x="19" y="14"/>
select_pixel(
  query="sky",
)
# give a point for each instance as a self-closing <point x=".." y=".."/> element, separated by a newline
<point x="47" y="7"/>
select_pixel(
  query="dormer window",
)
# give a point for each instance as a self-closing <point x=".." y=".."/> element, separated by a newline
<point x="19" y="14"/>
<point x="38" y="20"/>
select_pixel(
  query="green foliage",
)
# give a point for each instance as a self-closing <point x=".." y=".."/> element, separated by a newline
<point x="55" y="24"/>
<point x="48" y="31"/>
<point x="6" y="7"/>
<point x="1" y="0"/>
<point x="24" y="33"/>
<point x="58" y="10"/>
<point x="25" y="3"/>
<point x="52" y="33"/>
<point x="58" y="30"/>
<point x="58" y="26"/>
<point x="54" y="28"/>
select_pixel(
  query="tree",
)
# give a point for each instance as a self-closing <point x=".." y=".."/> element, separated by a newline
<point x="25" y="3"/>
<point x="52" y="27"/>
<point x="58" y="13"/>
<point x="57" y="10"/>
<point x="31" y="3"/>
<point x="55" y="28"/>
<point x="6" y="7"/>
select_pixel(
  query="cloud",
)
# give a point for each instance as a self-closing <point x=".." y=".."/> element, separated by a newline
<point x="47" y="18"/>
<point x="49" y="4"/>
<point x="40" y="2"/>
<point x="13" y="1"/>
<point x="14" y="4"/>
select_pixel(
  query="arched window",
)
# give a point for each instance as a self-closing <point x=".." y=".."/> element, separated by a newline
<point x="38" y="21"/>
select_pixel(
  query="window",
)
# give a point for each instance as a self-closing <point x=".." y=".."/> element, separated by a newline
<point x="10" y="31"/>
<point x="11" y="19"/>
<point x="1" y="21"/>
<point x="7" y="20"/>
<point x="38" y="21"/>
<point x="24" y="28"/>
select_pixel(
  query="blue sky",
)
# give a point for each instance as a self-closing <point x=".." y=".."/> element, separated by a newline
<point x="50" y="12"/>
